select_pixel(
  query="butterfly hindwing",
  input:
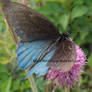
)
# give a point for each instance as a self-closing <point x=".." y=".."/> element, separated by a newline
<point x="28" y="56"/>
<point x="41" y="67"/>
<point x="31" y="51"/>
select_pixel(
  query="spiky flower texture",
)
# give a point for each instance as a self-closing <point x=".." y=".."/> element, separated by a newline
<point x="68" y="79"/>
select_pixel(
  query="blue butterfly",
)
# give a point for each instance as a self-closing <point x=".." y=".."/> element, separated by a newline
<point x="41" y="46"/>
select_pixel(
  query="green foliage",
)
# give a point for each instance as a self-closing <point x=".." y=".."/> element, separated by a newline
<point x="78" y="11"/>
<point x="90" y="61"/>
<point x="74" y="16"/>
<point x="64" y="20"/>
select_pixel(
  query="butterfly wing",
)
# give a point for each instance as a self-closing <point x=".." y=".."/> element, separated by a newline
<point x="28" y="24"/>
<point x="41" y="67"/>
<point x="64" y="57"/>
<point x="29" y="54"/>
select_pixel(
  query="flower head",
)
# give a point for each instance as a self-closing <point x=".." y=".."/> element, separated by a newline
<point x="69" y="78"/>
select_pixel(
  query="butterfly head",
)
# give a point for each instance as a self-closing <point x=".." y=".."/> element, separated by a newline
<point x="64" y="36"/>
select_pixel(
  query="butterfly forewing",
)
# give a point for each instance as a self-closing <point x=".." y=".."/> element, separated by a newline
<point x="28" y="24"/>
<point x="65" y="56"/>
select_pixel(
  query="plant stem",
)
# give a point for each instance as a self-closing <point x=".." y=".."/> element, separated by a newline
<point x="33" y="85"/>
<point x="67" y="89"/>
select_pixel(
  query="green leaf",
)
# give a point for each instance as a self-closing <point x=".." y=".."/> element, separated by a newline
<point x="90" y="61"/>
<point x="78" y="11"/>
<point x="9" y="84"/>
<point x="3" y="68"/>
<point x="89" y="11"/>
<point x="64" y="20"/>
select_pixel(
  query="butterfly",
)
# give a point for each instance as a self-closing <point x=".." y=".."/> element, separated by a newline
<point x="41" y="46"/>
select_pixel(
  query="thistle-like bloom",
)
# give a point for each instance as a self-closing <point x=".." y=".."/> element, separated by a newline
<point x="68" y="79"/>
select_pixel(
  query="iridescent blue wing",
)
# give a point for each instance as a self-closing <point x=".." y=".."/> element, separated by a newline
<point x="41" y="67"/>
<point x="29" y="53"/>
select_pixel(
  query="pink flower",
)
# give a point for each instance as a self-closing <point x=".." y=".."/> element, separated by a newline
<point x="68" y="78"/>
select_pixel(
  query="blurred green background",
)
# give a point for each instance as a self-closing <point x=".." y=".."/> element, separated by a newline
<point x="74" y="16"/>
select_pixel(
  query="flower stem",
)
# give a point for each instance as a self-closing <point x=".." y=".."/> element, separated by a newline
<point x="33" y="85"/>
<point x="67" y="89"/>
